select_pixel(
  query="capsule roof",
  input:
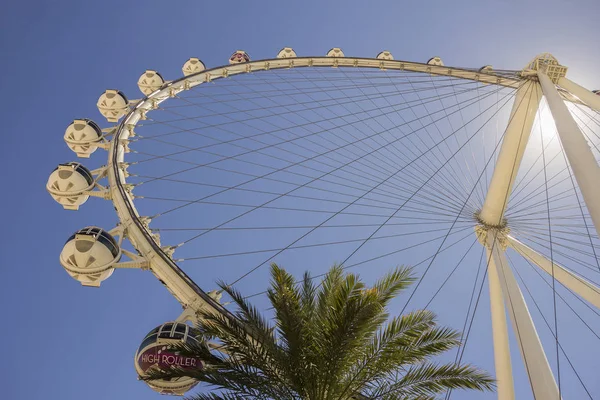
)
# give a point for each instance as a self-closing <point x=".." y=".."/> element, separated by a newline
<point x="100" y="235"/>
<point x="91" y="123"/>
<point x="286" y="52"/>
<point x="77" y="167"/>
<point x="385" y="55"/>
<point x="435" y="61"/>
<point x="335" y="52"/>
<point x="170" y="330"/>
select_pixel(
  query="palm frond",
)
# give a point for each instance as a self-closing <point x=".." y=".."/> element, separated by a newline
<point x="430" y="379"/>
<point x="291" y="321"/>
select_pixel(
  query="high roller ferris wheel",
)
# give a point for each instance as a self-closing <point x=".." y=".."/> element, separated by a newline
<point x="360" y="161"/>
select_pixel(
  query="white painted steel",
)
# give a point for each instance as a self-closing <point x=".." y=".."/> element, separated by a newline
<point x="577" y="284"/>
<point x="511" y="152"/>
<point x="502" y="359"/>
<point x="539" y="371"/>
<point x="282" y="63"/>
<point x="590" y="99"/>
<point x="176" y="281"/>
<point x="578" y="152"/>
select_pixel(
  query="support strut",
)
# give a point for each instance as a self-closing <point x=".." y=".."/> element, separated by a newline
<point x="578" y="152"/>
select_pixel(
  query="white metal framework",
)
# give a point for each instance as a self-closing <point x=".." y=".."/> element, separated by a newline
<point x="544" y="77"/>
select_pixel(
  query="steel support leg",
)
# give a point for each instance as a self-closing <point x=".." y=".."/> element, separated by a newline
<point x="502" y="359"/>
<point x="511" y="152"/>
<point x="539" y="371"/>
<point x="592" y="100"/>
<point x="584" y="288"/>
<point x="580" y="156"/>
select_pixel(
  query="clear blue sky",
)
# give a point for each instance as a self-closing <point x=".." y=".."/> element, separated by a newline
<point x="57" y="57"/>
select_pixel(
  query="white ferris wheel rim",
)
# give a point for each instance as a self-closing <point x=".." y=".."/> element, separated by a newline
<point x="187" y="292"/>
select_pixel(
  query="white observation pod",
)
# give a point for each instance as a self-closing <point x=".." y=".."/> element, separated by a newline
<point x="150" y="81"/>
<point x="89" y="255"/>
<point x="238" y="57"/>
<point x="68" y="184"/>
<point x="82" y="136"/>
<point x="113" y="104"/>
<point x="156" y="353"/>
<point x="286" y="52"/>
<point x="385" y="55"/>
<point x="192" y="66"/>
<point x="486" y="69"/>
<point x="436" y="61"/>
<point x="335" y="52"/>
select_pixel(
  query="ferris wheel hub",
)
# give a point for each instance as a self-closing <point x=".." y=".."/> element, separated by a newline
<point x="483" y="230"/>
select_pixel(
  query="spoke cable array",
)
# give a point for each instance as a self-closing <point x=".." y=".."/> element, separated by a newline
<point x="366" y="168"/>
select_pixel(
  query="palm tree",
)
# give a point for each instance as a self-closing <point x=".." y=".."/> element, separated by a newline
<point x="334" y="340"/>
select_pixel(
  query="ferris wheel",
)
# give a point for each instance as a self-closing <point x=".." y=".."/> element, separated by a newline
<point x="486" y="181"/>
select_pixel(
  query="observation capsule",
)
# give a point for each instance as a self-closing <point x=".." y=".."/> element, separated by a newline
<point x="286" y="52"/>
<point x="385" y="55"/>
<point x="68" y="183"/>
<point x="113" y="104"/>
<point x="435" y="61"/>
<point x="89" y="255"/>
<point x="82" y="136"/>
<point x="239" y="57"/>
<point x="486" y="69"/>
<point x="156" y="353"/>
<point x="335" y="52"/>
<point x="193" y="66"/>
<point x="150" y="81"/>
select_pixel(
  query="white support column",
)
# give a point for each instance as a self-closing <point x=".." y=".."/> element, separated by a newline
<point x="502" y="359"/>
<point x="592" y="100"/>
<point x="580" y="156"/>
<point x="539" y="371"/>
<point x="515" y="140"/>
<point x="577" y="284"/>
